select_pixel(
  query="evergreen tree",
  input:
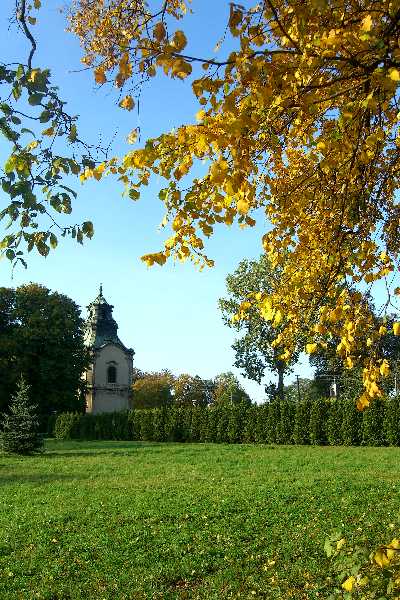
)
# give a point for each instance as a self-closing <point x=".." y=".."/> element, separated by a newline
<point x="20" y="433"/>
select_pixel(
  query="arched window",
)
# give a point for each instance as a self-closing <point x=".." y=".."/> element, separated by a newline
<point x="112" y="374"/>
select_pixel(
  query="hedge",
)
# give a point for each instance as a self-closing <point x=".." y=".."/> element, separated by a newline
<point x="320" y="422"/>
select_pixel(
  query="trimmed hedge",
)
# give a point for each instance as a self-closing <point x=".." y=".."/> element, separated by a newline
<point x="320" y="422"/>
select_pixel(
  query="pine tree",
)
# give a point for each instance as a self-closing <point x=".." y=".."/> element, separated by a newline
<point x="20" y="433"/>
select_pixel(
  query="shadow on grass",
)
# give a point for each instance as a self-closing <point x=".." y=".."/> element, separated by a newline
<point x="93" y="448"/>
<point x="40" y="478"/>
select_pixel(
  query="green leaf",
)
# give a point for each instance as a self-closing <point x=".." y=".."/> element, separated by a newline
<point x="45" y="116"/>
<point x="73" y="133"/>
<point x="35" y="99"/>
<point x="16" y="91"/>
<point x="75" y="168"/>
<point x="134" y="194"/>
<point x="5" y="108"/>
<point x="10" y="164"/>
<point x="42" y="248"/>
<point x="88" y="229"/>
<point x="20" y="72"/>
<point x="71" y="191"/>
<point x="328" y="548"/>
<point x="25" y="130"/>
<point x="53" y="241"/>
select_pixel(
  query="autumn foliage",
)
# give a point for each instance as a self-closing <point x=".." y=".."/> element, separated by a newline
<point x="301" y="120"/>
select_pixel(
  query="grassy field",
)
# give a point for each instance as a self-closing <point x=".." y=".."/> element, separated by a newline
<point x="125" y="520"/>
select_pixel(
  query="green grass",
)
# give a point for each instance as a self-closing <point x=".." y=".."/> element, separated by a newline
<point x="125" y="520"/>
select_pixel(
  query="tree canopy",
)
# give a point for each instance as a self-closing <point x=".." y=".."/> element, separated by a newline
<point x="299" y="119"/>
<point x="254" y="349"/>
<point x="152" y="390"/>
<point x="41" y="338"/>
<point x="228" y="391"/>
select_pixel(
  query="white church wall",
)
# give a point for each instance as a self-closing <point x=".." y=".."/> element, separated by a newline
<point x="111" y="355"/>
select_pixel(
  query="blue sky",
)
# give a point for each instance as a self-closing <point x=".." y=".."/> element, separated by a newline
<point x="169" y="315"/>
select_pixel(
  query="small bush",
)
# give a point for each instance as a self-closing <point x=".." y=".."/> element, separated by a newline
<point x="20" y="434"/>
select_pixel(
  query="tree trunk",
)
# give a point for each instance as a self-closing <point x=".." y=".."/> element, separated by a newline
<point x="280" y="389"/>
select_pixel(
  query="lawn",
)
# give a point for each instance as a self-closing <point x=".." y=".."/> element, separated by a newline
<point x="129" y="520"/>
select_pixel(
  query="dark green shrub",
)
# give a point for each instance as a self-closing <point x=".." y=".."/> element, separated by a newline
<point x="285" y="424"/>
<point x="272" y="421"/>
<point x="391" y="421"/>
<point x="262" y="418"/>
<point x="351" y="423"/>
<point x="318" y="421"/>
<point x="20" y="432"/>
<point x="334" y="422"/>
<point x="159" y="416"/>
<point x="301" y="428"/>
<point x="236" y="423"/>
<point x="249" y="434"/>
<point x="372" y="424"/>
<point x="67" y="426"/>
<point x="198" y="424"/>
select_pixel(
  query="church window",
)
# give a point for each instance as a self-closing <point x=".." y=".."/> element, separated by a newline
<point x="112" y="374"/>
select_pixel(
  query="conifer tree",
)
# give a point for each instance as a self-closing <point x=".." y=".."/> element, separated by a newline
<point x="20" y="434"/>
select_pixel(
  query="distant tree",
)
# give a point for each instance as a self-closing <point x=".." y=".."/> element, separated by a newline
<point x="153" y="390"/>
<point x="41" y="335"/>
<point x="20" y="432"/>
<point x="304" y="389"/>
<point x="192" y="390"/>
<point x="228" y="391"/>
<point x="137" y="374"/>
<point x="254" y="352"/>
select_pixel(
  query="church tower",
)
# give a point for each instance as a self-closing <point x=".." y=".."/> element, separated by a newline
<point x="109" y="376"/>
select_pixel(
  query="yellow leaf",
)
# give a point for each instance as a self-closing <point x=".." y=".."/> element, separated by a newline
<point x="181" y="68"/>
<point x="310" y="348"/>
<point x="381" y="559"/>
<point x="366" y="23"/>
<point x="179" y="40"/>
<point x="243" y="207"/>
<point x="384" y="368"/>
<point x="148" y="259"/>
<point x="32" y="145"/>
<point x="396" y="328"/>
<point x="34" y="75"/>
<point x="349" y="584"/>
<point x="159" y="31"/>
<point x="340" y="544"/>
<point x="128" y="103"/>
<point x="132" y="137"/>
<point x="363" y="402"/>
<point x="394" y="75"/>
<point x="99" y="75"/>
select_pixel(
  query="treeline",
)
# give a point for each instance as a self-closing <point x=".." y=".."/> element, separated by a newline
<point x="162" y="389"/>
<point x="318" y="422"/>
